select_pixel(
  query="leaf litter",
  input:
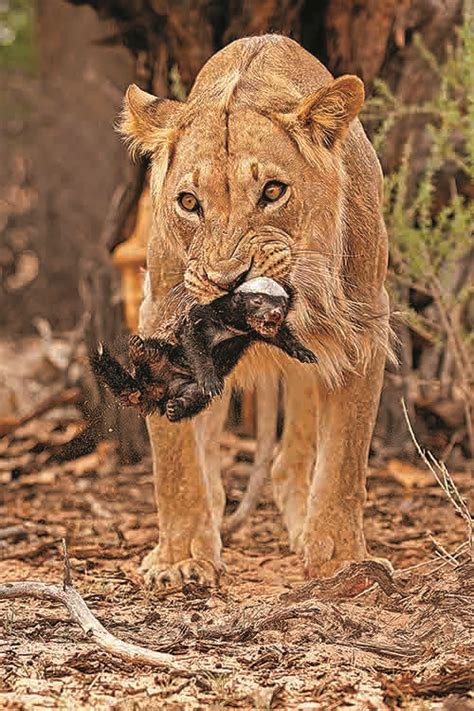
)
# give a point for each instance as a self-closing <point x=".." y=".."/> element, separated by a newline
<point x="267" y="638"/>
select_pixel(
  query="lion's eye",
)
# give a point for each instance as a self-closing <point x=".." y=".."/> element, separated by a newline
<point x="273" y="191"/>
<point x="188" y="202"/>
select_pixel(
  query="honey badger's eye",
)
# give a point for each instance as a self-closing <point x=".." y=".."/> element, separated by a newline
<point x="273" y="191"/>
<point x="188" y="202"/>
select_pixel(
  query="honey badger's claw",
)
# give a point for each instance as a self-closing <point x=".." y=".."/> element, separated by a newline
<point x="304" y="355"/>
<point x="212" y="386"/>
<point x="136" y="349"/>
<point x="174" y="409"/>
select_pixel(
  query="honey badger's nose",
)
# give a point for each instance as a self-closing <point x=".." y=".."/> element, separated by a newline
<point x="227" y="275"/>
<point x="274" y="316"/>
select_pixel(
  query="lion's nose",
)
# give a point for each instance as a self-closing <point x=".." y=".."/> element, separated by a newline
<point x="228" y="275"/>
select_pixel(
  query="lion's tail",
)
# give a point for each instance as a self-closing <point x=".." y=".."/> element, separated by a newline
<point x="267" y="416"/>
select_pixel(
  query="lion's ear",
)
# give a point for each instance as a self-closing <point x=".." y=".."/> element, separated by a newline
<point x="147" y="122"/>
<point x="327" y="113"/>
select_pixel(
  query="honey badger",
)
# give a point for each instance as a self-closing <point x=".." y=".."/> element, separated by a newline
<point x="181" y="379"/>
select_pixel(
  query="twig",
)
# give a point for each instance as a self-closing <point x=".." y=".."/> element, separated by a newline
<point x="90" y="625"/>
<point x="67" y="576"/>
<point x="442" y="552"/>
<point x="457" y="554"/>
<point x="445" y="481"/>
<point x="13" y="532"/>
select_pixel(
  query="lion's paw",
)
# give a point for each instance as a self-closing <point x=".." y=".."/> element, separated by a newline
<point x="193" y="570"/>
<point x="151" y="560"/>
<point x="327" y="570"/>
<point x="327" y="552"/>
<point x="335" y="565"/>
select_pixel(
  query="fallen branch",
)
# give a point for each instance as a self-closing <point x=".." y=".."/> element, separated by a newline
<point x="20" y="531"/>
<point x="347" y="583"/>
<point x="90" y="625"/>
<point x="12" y="532"/>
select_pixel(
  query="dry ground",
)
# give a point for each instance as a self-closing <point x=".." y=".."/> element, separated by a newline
<point x="261" y="640"/>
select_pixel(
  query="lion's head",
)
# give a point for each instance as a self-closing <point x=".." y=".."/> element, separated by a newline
<point x="248" y="176"/>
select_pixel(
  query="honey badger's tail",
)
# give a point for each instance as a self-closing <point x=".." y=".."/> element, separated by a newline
<point x="267" y="415"/>
<point x="110" y="372"/>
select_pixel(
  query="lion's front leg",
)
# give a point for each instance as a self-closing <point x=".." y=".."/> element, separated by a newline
<point x="294" y="463"/>
<point x="189" y="539"/>
<point x="333" y="534"/>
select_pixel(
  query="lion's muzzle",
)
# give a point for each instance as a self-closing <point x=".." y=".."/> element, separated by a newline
<point x="228" y="274"/>
<point x="267" y="253"/>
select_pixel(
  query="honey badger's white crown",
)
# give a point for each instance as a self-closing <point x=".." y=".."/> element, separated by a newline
<point x="262" y="285"/>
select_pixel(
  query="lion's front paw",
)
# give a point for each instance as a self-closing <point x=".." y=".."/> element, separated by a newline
<point x="327" y="552"/>
<point x="192" y="570"/>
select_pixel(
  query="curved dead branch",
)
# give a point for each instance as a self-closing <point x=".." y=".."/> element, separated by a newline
<point x="68" y="596"/>
<point x="90" y="625"/>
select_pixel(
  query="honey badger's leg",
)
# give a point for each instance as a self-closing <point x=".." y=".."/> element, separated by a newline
<point x="333" y="534"/>
<point x="287" y="341"/>
<point x="189" y="540"/>
<point x="191" y="402"/>
<point x="294" y="463"/>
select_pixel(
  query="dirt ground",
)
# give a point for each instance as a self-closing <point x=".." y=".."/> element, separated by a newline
<point x="264" y="639"/>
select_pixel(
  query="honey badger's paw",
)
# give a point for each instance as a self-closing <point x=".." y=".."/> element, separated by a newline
<point x="304" y="355"/>
<point x="175" y="409"/>
<point x="192" y="570"/>
<point x="211" y="385"/>
<point x="136" y="349"/>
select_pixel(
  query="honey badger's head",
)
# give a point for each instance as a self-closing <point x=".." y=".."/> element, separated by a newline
<point x="262" y="304"/>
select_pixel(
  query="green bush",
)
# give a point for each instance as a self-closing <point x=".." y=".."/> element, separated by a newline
<point x="428" y="211"/>
<point x="16" y="34"/>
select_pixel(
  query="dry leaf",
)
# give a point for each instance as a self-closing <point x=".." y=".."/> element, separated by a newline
<point x="408" y="475"/>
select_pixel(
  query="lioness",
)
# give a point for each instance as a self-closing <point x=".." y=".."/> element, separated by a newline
<point x="266" y="171"/>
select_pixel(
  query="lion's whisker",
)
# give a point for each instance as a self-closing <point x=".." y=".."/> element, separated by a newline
<point x="335" y="253"/>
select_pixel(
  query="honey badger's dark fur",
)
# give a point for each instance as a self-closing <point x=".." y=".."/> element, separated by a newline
<point x="181" y="380"/>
